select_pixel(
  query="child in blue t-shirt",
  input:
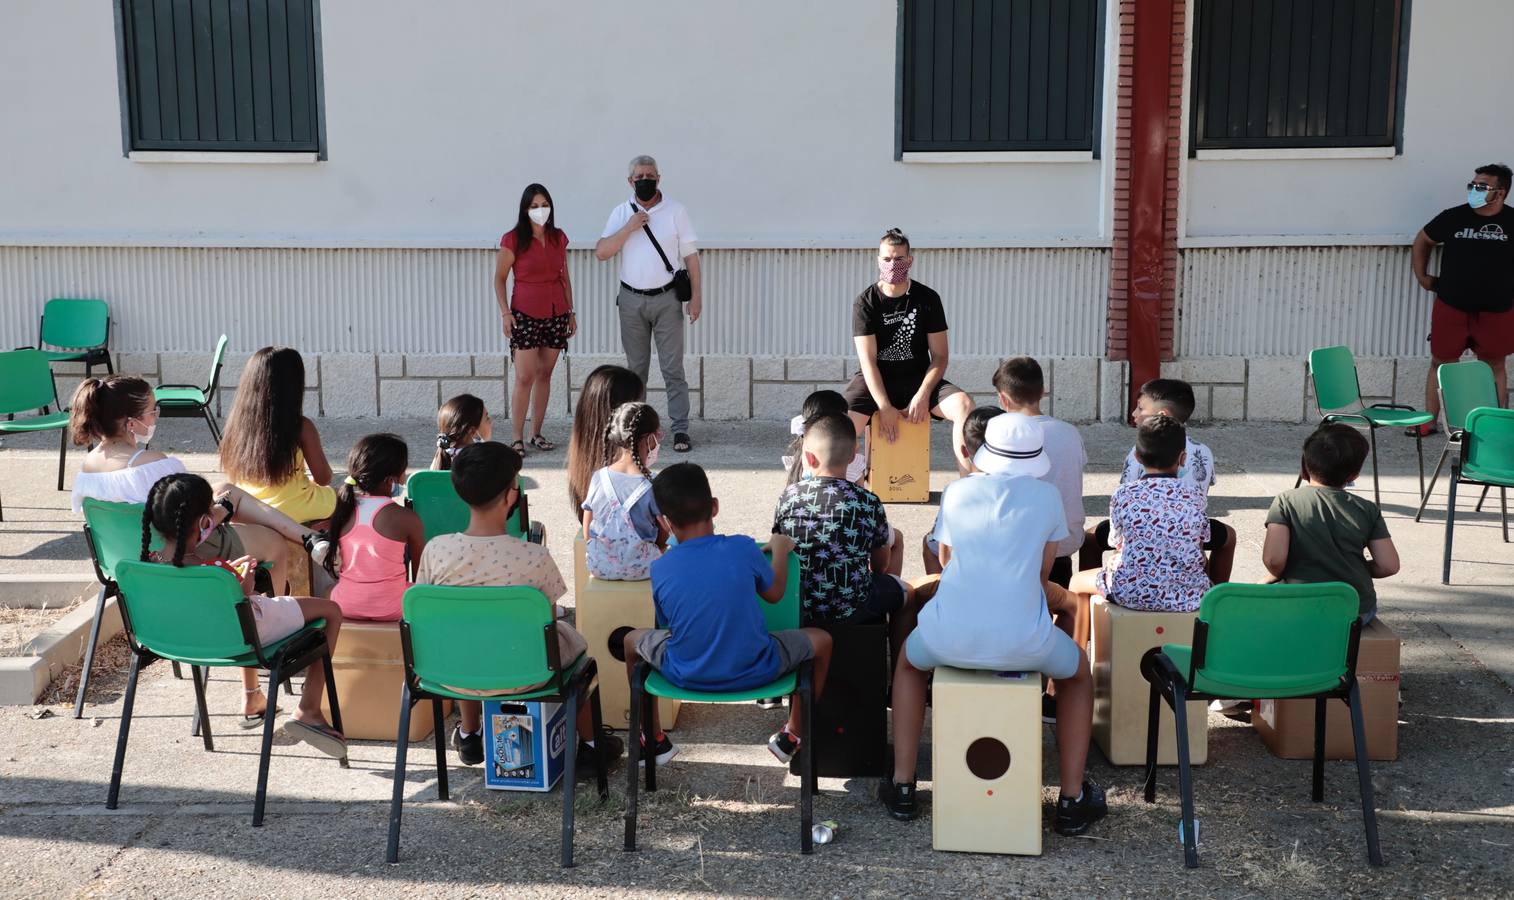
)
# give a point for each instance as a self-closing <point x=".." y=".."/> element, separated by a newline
<point x="716" y="638"/>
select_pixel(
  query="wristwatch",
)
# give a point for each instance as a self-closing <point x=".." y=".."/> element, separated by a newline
<point x="225" y="504"/>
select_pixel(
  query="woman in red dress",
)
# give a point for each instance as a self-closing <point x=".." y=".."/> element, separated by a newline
<point x="538" y="315"/>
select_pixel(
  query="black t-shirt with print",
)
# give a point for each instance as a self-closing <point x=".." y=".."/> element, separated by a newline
<point x="901" y="325"/>
<point x="1477" y="259"/>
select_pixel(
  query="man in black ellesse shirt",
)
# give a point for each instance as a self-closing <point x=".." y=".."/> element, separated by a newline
<point x="1474" y="293"/>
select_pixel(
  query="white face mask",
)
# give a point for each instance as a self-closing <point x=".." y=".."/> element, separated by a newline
<point x="207" y="529"/>
<point x="540" y="214"/>
<point x="143" y="439"/>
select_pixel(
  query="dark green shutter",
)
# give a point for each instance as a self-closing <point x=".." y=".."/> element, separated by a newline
<point x="220" y="74"/>
<point x="1296" y="73"/>
<point x="999" y="74"/>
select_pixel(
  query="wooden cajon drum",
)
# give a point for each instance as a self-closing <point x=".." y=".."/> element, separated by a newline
<point x="580" y="566"/>
<point x="602" y="608"/>
<point x="1287" y="726"/>
<point x="368" y="667"/>
<point x="1122" y="696"/>
<point x="986" y="755"/>
<point x="899" y="472"/>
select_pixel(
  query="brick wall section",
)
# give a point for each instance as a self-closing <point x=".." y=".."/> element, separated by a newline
<point x="1116" y="336"/>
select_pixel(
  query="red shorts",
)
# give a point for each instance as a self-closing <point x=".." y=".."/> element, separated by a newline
<point x="1488" y="334"/>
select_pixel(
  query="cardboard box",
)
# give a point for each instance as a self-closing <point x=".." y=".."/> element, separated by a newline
<point x="369" y="670"/>
<point x="986" y="756"/>
<point x="602" y="608"/>
<point x="524" y="745"/>
<point x="899" y="472"/>
<point x="1287" y="726"/>
<point x="1122" y="697"/>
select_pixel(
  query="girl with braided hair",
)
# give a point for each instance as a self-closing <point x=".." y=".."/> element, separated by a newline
<point x="621" y="527"/>
<point x="461" y="422"/>
<point x="178" y="509"/>
<point x="377" y="536"/>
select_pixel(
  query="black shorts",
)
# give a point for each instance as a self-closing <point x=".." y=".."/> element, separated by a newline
<point x="884" y="599"/>
<point x="860" y="400"/>
<point x="1218" y="533"/>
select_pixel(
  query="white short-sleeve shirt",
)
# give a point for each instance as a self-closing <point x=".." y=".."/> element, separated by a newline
<point x="1198" y="470"/>
<point x="1064" y="447"/>
<point x="640" y="266"/>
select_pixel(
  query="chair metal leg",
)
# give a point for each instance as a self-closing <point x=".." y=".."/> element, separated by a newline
<point x="633" y="754"/>
<point x="1445" y="566"/>
<point x="1185" y="777"/>
<point x="124" y="732"/>
<point x="441" y="749"/>
<point x="89" y="654"/>
<point x="806" y="754"/>
<point x="1364" y="775"/>
<point x="401" y="745"/>
<point x="1317" y="786"/>
<point x="178" y="672"/>
<point x="1433" y="476"/>
<point x="1503" y="512"/>
<point x="1481" y="499"/>
<point x="1153" y="722"/>
<point x="199" y="675"/>
<point x="570" y="776"/>
<point x="265" y="752"/>
<point x="648" y="704"/>
<point x="1419" y="451"/>
<point x="336" y="709"/>
<point x="602" y="767"/>
<point x="1376" y="490"/>
<point x="62" y="454"/>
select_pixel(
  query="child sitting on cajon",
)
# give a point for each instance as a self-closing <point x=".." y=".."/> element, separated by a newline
<point x="716" y="638"/>
<point x="1000" y="532"/>
<point x="1318" y="532"/>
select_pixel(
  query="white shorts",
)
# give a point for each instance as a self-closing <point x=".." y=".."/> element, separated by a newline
<point x="277" y="617"/>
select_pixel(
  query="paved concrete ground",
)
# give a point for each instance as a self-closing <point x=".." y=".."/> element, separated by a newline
<point x="725" y="820"/>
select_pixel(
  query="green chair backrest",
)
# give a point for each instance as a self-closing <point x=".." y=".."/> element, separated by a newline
<point x="442" y="511"/>
<point x="480" y="638"/>
<point x="1333" y="371"/>
<point x="1488" y="444"/>
<point x="1277" y="638"/>
<point x="784" y="614"/>
<point x="115" y="531"/>
<point x="26" y="382"/>
<point x="215" y="368"/>
<point x="75" y="324"/>
<point x="1464" y="386"/>
<point x="187" y="614"/>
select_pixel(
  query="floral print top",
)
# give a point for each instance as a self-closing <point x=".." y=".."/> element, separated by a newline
<point x="836" y="526"/>
<point x="1158" y="526"/>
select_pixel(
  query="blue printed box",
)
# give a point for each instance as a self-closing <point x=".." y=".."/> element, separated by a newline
<point x="524" y="745"/>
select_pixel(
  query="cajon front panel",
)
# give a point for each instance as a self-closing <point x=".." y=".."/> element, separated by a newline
<point x="1121" y="695"/>
<point x="368" y="668"/>
<point x="986" y="755"/>
<point x="899" y="472"/>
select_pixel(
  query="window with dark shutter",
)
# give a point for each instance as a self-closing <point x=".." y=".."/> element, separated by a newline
<point x="1296" y="73"/>
<point x="220" y="75"/>
<point x="983" y="75"/>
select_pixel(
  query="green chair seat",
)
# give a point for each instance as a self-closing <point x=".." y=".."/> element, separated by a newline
<point x="35" y="423"/>
<point x="658" y="686"/>
<point x="441" y="690"/>
<point x="1395" y="417"/>
<point x="1256" y="687"/>
<point x="181" y="396"/>
<point x="69" y="355"/>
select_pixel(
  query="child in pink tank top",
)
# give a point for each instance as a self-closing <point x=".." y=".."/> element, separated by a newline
<point x="377" y="536"/>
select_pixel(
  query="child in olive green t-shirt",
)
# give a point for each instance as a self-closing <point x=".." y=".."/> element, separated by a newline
<point x="1320" y="532"/>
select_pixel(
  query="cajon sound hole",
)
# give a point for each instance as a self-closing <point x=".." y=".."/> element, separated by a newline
<point x="987" y="758"/>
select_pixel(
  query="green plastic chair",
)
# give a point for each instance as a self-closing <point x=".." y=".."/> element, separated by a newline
<point x="442" y="511"/>
<point x="489" y="639"/>
<point x="1333" y="372"/>
<point x="198" y="616"/>
<point x="113" y="532"/>
<point x="1485" y="457"/>
<point x="1255" y="642"/>
<point x="1463" y="387"/>
<point x="187" y="401"/>
<point x="80" y="328"/>
<point x="647" y="684"/>
<point x="26" y="384"/>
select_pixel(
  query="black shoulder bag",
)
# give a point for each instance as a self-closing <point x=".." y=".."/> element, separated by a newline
<point x="683" y="288"/>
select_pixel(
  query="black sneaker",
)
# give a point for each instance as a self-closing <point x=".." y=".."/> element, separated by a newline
<point x="608" y="744"/>
<point x="783" y="745"/>
<point x="770" y="703"/>
<point x="899" y="798"/>
<point x="666" y="750"/>
<point x="1048" y="709"/>
<point x="1075" y="816"/>
<point x="470" y="749"/>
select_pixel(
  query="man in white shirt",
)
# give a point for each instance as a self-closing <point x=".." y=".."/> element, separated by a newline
<point x="649" y="307"/>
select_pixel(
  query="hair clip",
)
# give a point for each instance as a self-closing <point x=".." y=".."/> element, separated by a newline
<point x="350" y="480"/>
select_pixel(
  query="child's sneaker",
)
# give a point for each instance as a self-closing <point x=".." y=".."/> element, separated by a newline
<point x="607" y="744"/>
<point x="783" y="745"/>
<point x="899" y="798"/>
<point x="1048" y="709"/>
<point x="318" y="545"/>
<point x="470" y="748"/>
<point x="665" y="751"/>
<point x="1075" y="816"/>
<point x="770" y="703"/>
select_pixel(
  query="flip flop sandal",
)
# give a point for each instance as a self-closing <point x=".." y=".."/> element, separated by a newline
<point x="256" y="721"/>
<point x="518" y="447"/>
<point x="681" y="443"/>
<point x="542" y="444"/>
<point x="322" y="737"/>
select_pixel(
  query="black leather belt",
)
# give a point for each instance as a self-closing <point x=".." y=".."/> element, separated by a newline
<point x="651" y="293"/>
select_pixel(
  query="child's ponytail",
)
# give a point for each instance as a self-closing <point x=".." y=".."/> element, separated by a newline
<point x="374" y="459"/>
<point x="629" y="423"/>
<point x="457" y="425"/>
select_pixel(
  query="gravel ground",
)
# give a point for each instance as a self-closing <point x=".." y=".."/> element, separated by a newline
<point x="724" y="821"/>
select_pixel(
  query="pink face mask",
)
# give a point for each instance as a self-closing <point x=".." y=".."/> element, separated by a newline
<point x="894" y="271"/>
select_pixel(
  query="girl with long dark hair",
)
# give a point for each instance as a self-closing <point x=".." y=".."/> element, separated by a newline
<point x="606" y="388"/>
<point x="269" y="443"/>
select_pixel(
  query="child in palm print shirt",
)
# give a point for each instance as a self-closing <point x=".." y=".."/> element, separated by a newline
<point x="849" y="556"/>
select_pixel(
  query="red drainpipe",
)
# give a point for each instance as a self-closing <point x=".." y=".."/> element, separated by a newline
<point x="1154" y="66"/>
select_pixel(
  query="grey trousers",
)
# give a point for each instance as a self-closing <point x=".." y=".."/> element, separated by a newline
<point x="643" y="319"/>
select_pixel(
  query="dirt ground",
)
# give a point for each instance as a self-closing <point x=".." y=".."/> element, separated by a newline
<point x="725" y="819"/>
